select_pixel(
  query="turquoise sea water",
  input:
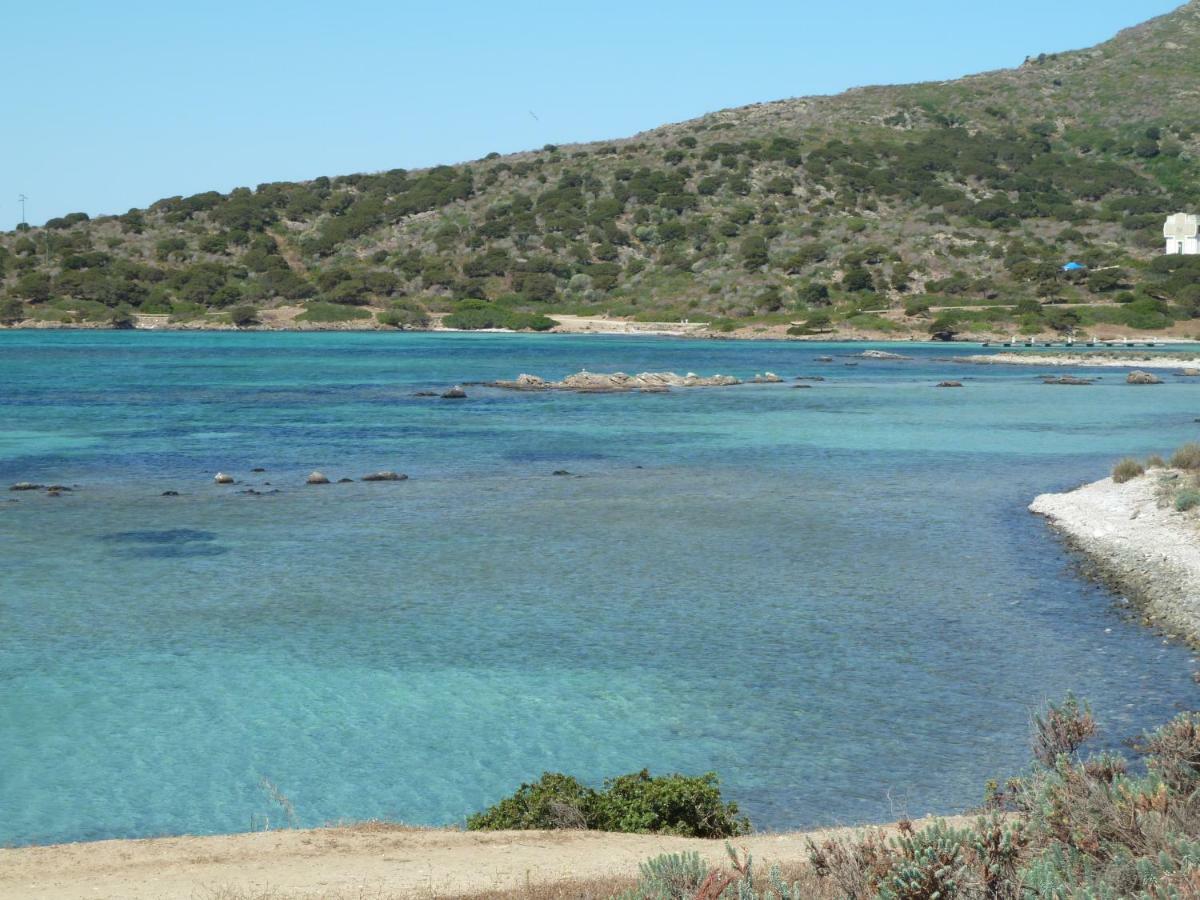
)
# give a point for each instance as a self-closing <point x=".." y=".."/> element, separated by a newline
<point x="833" y="597"/>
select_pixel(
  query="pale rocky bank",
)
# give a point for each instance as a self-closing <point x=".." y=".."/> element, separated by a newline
<point x="1138" y="542"/>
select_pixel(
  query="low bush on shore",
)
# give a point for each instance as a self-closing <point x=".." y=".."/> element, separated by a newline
<point x="638" y="803"/>
<point x="1072" y="827"/>
<point x="1126" y="470"/>
<point x="472" y="315"/>
<point x="1187" y="499"/>
<point x="1186" y="457"/>
<point x="319" y="311"/>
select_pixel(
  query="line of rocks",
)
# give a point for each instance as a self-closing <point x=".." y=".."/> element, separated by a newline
<point x="315" y="478"/>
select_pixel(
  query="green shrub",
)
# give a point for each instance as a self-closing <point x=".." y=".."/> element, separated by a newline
<point x="472" y="315"/>
<point x="1186" y="457"/>
<point x="1155" y="462"/>
<point x="1127" y="470"/>
<point x="670" y="804"/>
<point x="1187" y="499"/>
<point x="404" y="315"/>
<point x="637" y="803"/>
<point x="554" y="801"/>
<point x="243" y="316"/>
<point x="331" y="312"/>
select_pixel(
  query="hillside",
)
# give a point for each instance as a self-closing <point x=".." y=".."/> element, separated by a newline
<point x="926" y="207"/>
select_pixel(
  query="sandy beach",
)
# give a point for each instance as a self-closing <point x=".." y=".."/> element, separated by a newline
<point x="1097" y="359"/>
<point x="1138" y="542"/>
<point x="374" y="861"/>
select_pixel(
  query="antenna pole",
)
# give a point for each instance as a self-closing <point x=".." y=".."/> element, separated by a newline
<point x="22" y="198"/>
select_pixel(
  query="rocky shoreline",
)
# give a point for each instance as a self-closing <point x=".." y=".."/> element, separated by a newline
<point x="1138" y="543"/>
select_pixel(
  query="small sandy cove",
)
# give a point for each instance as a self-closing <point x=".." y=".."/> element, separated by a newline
<point x="1098" y="359"/>
<point x="361" y="861"/>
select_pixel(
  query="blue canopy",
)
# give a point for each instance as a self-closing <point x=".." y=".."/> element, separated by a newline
<point x="1074" y="267"/>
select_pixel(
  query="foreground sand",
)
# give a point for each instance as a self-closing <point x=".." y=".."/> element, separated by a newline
<point x="365" y="861"/>
<point x="1138" y="542"/>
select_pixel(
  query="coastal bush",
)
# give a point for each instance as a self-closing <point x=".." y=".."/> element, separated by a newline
<point x="1126" y="470"/>
<point x="331" y="312"/>
<point x="1187" y="499"/>
<point x="1154" y="461"/>
<point x="554" y="801"/>
<point x="477" y="314"/>
<point x="638" y="803"/>
<point x="243" y="316"/>
<point x="404" y="315"/>
<point x="1186" y="457"/>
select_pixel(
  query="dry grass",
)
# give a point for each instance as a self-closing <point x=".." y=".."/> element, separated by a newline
<point x="1186" y="457"/>
<point x="1127" y="470"/>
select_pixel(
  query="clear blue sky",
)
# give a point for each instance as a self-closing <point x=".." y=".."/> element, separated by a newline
<point x="116" y="104"/>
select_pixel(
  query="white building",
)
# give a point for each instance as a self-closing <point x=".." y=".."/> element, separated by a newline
<point x="1182" y="232"/>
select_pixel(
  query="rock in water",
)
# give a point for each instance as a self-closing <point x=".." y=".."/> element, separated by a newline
<point x="880" y="354"/>
<point x="1143" y="378"/>
<point x="616" y="382"/>
<point x="1067" y="379"/>
<point x="26" y="486"/>
<point x="455" y="393"/>
<point x="317" y="478"/>
<point x="385" y="476"/>
<point x="222" y="478"/>
<point x="1190" y="373"/>
<point x="950" y="384"/>
<point x="767" y="378"/>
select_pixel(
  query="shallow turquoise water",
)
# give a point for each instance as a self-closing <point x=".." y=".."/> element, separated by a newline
<point x="834" y="597"/>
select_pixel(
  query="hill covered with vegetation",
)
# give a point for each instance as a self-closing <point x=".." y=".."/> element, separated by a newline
<point x="925" y="207"/>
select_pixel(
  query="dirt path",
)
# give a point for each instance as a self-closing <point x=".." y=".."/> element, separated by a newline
<point x="369" y="861"/>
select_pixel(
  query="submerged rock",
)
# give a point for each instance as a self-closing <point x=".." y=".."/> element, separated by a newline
<point x="385" y="476"/>
<point x="1068" y="379"/>
<point x="809" y="378"/>
<point x="802" y="387"/>
<point x="560" y="472"/>
<point x="345" y="481"/>
<point x="455" y="393"/>
<point x="950" y="384"/>
<point x="169" y="494"/>
<point x="824" y="359"/>
<point x="425" y="394"/>
<point x="316" y="478"/>
<point x="1139" y="377"/>
<point x="616" y="382"/>
<point x="258" y="469"/>
<point x="222" y="478"/>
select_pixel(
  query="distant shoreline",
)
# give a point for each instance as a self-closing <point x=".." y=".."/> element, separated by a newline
<point x="686" y="331"/>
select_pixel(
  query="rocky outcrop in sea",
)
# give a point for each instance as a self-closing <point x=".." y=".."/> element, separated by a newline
<point x="616" y="382"/>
